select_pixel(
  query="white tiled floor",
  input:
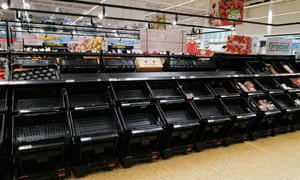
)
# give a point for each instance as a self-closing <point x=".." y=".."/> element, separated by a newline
<point x="269" y="158"/>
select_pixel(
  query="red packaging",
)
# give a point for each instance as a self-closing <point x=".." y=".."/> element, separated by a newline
<point x="231" y="9"/>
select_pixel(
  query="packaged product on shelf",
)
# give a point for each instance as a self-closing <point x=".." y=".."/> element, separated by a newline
<point x="247" y="86"/>
<point x="287" y="68"/>
<point x="296" y="81"/>
<point x="271" y="69"/>
<point x="285" y="87"/>
<point x="265" y="105"/>
<point x="238" y="45"/>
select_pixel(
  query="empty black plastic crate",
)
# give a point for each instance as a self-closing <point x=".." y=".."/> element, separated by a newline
<point x="40" y="143"/>
<point x="26" y="100"/>
<point x="287" y="84"/>
<point x="269" y="85"/>
<point x="165" y="90"/>
<point x="182" y="124"/>
<point x="75" y="65"/>
<point x="243" y="114"/>
<point x="291" y="112"/>
<point x="96" y="136"/>
<point x="257" y="67"/>
<point x="88" y="96"/>
<point x="249" y="87"/>
<point x="119" y="65"/>
<point x="267" y="118"/>
<point x="3" y="99"/>
<point x="130" y="92"/>
<point x="143" y="127"/>
<point x="196" y="90"/>
<point x="223" y="88"/>
<point x="284" y="67"/>
<point x="296" y="100"/>
<point x="216" y="122"/>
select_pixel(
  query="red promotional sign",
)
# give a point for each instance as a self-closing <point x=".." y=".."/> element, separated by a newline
<point x="231" y="9"/>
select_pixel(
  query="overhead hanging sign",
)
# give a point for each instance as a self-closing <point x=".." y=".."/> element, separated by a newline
<point x="230" y="9"/>
<point x="278" y="46"/>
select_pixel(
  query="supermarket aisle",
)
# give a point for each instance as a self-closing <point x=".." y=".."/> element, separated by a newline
<point x="269" y="158"/>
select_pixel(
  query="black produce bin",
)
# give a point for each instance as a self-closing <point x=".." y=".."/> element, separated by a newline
<point x="195" y="90"/>
<point x="2" y="136"/>
<point x="165" y="90"/>
<point x="296" y="120"/>
<point x="287" y="84"/>
<point x="266" y="119"/>
<point x="3" y="99"/>
<point x="182" y="124"/>
<point x="223" y="88"/>
<point x="216" y="122"/>
<point x="40" y="144"/>
<point x="242" y="85"/>
<point x="96" y="138"/>
<point x="284" y="67"/>
<point x="143" y="127"/>
<point x="42" y="99"/>
<point x="291" y="112"/>
<point x="257" y="67"/>
<point x="75" y="65"/>
<point x="130" y="92"/>
<point x="88" y="96"/>
<point x="118" y="65"/>
<point x="243" y="117"/>
<point x="269" y="85"/>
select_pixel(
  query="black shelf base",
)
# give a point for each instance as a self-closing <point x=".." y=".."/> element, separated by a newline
<point x="175" y="150"/>
<point x="130" y="160"/>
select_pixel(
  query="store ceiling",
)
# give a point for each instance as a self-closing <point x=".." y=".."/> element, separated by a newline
<point x="199" y="7"/>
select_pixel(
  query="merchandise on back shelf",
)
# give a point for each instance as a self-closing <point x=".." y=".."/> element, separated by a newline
<point x="4" y="71"/>
<point x="238" y="44"/>
<point x="191" y="47"/>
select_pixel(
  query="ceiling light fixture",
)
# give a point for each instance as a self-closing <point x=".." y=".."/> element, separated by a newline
<point x="4" y="5"/>
<point x="175" y="20"/>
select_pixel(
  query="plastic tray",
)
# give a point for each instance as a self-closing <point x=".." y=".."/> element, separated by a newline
<point x="119" y="65"/>
<point x="165" y="89"/>
<point x="40" y="128"/>
<point x="79" y="65"/>
<point x="239" y="83"/>
<point x="244" y="116"/>
<point x="196" y="90"/>
<point x="287" y="85"/>
<point x="37" y="99"/>
<point x="257" y="67"/>
<point x="267" y="120"/>
<point x="280" y="67"/>
<point x="217" y="120"/>
<point x="95" y="123"/>
<point x="143" y="128"/>
<point x="269" y="85"/>
<point x="130" y="91"/>
<point x="96" y="135"/>
<point x="40" y="141"/>
<point x="92" y="96"/>
<point x="223" y="88"/>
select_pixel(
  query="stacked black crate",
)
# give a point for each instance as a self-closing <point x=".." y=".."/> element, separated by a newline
<point x="41" y="132"/>
<point x="96" y="128"/>
<point x="3" y="131"/>
<point x="141" y="120"/>
<point x="180" y="117"/>
<point x="217" y="117"/>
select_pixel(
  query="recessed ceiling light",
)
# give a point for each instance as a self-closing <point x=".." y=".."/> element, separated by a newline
<point x="100" y="16"/>
<point x="4" y="5"/>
